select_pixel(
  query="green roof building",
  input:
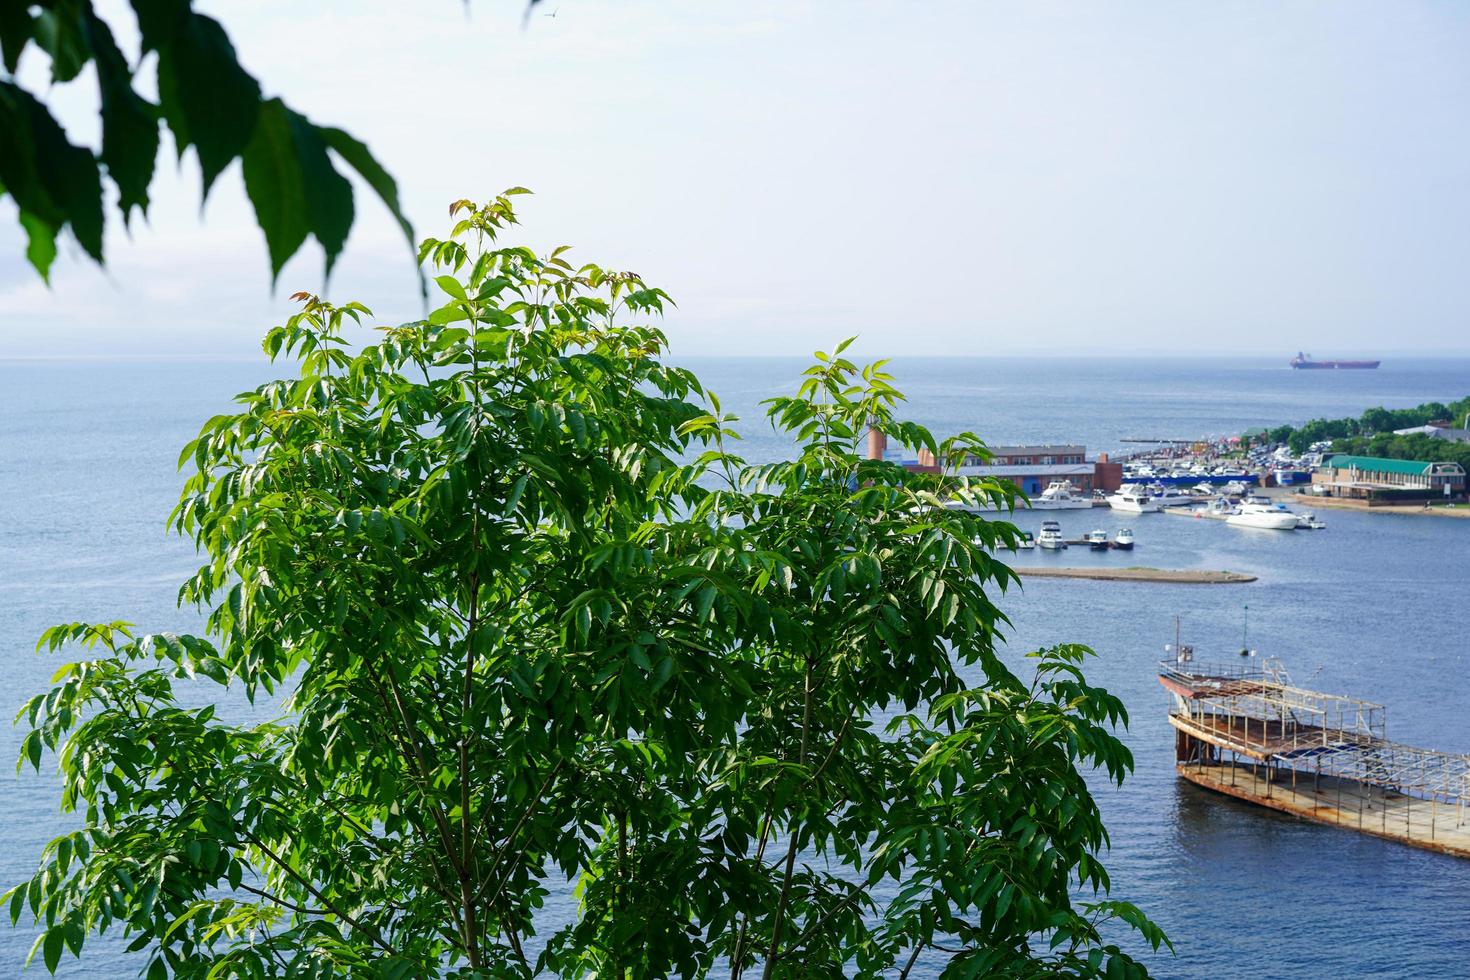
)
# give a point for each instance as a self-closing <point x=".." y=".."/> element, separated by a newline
<point x="1375" y="478"/>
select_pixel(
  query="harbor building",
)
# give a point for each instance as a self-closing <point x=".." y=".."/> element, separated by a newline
<point x="1034" y="468"/>
<point x="1031" y="468"/>
<point x="1377" y="480"/>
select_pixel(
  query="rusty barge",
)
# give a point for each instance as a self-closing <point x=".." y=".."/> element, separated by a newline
<point x="1242" y="729"/>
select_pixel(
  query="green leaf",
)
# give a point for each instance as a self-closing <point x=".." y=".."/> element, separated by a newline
<point x="160" y="21"/>
<point x="41" y="247"/>
<point x="51" y="949"/>
<point x="49" y="177"/>
<point x="359" y="158"/>
<point x="274" y="183"/>
<point x="129" y="122"/>
<point x="209" y="101"/>
<point x="15" y="33"/>
<point x="328" y="194"/>
<point x="58" y="31"/>
<point x="451" y="286"/>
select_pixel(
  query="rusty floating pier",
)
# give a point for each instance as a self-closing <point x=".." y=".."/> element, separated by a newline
<point x="1245" y="731"/>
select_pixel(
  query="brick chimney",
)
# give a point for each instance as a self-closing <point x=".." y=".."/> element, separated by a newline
<point x="877" y="443"/>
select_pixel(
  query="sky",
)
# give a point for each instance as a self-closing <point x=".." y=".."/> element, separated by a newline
<point x="955" y="178"/>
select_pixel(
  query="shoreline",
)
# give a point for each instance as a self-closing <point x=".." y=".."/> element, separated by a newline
<point x="1418" y="510"/>
<point x="1138" y="573"/>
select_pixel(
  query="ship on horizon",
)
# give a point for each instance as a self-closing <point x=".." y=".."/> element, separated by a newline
<point x="1304" y="362"/>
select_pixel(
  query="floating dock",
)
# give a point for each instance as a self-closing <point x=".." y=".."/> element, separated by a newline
<point x="1136" y="573"/>
<point x="1245" y="731"/>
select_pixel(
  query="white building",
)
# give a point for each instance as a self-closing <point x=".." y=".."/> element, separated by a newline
<point x="1436" y="432"/>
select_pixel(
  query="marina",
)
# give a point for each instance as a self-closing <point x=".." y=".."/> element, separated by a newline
<point x="1247" y="732"/>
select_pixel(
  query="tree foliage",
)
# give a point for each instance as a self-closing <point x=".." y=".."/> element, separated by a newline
<point x="1375" y="422"/>
<point x="538" y="623"/>
<point x="207" y="101"/>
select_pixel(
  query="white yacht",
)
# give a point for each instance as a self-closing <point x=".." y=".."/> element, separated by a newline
<point x="1098" y="540"/>
<point x="1253" y="513"/>
<point x="1051" y="536"/>
<point x="1123" y="540"/>
<point x="1135" y="500"/>
<point x="1061" y="495"/>
<point x="1027" y="542"/>
<point x="1308" y="521"/>
<point x="1174" y="497"/>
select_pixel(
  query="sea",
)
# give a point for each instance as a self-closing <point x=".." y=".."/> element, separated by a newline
<point x="1374" y="606"/>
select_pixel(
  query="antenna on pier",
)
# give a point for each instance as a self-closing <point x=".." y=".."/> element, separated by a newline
<point x="1182" y="654"/>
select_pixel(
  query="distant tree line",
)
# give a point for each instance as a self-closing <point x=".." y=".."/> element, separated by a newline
<point x="1372" y="433"/>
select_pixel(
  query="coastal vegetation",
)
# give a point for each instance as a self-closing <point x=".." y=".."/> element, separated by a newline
<point x="1372" y="433"/>
<point x="207" y="101"/>
<point x="565" y="685"/>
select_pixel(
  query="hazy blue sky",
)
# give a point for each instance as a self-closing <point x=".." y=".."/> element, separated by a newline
<point x="941" y="177"/>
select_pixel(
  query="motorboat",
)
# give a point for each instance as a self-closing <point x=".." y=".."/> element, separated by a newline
<point x="1051" y="536"/>
<point x="1134" y="500"/>
<point x="1174" y="497"/>
<point x="1027" y="542"/>
<point x="1061" y="495"/>
<point x="1204" y="488"/>
<point x="1123" y="540"/>
<point x="1098" y="540"/>
<point x="1251" y="513"/>
<point x="1308" y="521"/>
<point x="1235" y="488"/>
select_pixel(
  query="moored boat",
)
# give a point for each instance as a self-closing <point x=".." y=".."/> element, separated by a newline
<point x="1133" y="499"/>
<point x="1051" y="536"/>
<point x="1061" y="495"/>
<point x="1123" y="540"/>
<point x="1172" y="496"/>
<point x="1266" y="516"/>
<point x="1098" y="540"/>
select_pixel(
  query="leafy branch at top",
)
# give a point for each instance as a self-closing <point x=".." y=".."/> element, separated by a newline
<point x="207" y="101"/>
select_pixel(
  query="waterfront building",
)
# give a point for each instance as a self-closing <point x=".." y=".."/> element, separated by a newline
<point x="1031" y="468"/>
<point x="1374" y="479"/>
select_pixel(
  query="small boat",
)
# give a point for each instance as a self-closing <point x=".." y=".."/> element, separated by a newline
<point x="1235" y="488"/>
<point x="1134" y="500"/>
<point x="1027" y="542"/>
<point x="1204" y="488"/>
<point x="1123" y="540"/>
<point x="1308" y="522"/>
<point x="1051" y="536"/>
<point x="1098" y="540"/>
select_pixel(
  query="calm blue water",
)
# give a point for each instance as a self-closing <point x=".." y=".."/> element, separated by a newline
<point x="1374" y="606"/>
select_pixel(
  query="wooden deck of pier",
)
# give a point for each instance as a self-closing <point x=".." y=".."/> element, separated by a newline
<point x="1262" y="738"/>
<point x="1341" y="803"/>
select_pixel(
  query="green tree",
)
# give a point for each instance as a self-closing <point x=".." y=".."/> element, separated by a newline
<point x="538" y="622"/>
<point x="208" y="102"/>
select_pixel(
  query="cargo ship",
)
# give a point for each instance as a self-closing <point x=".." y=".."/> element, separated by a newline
<point x="1304" y="362"/>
